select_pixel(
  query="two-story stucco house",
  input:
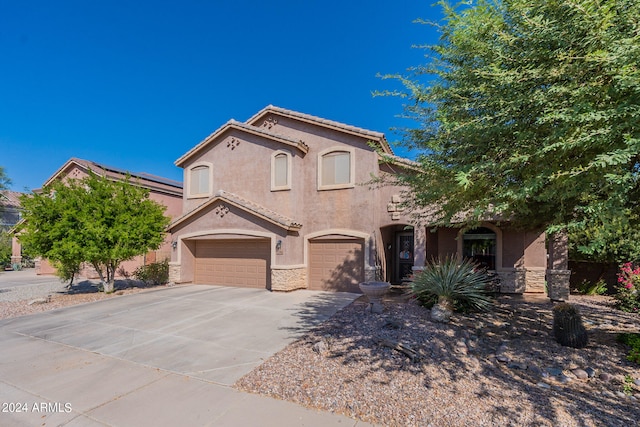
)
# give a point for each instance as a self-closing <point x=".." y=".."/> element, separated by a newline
<point x="281" y="202"/>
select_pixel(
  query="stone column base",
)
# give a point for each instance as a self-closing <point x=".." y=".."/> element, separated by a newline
<point x="288" y="278"/>
<point x="512" y="281"/>
<point x="535" y="278"/>
<point x="174" y="272"/>
<point x="372" y="274"/>
<point x="558" y="284"/>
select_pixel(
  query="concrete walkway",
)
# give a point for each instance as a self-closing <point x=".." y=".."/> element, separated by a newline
<point x="166" y="357"/>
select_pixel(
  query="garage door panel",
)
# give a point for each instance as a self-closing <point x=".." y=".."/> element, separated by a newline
<point x="336" y="264"/>
<point x="233" y="263"/>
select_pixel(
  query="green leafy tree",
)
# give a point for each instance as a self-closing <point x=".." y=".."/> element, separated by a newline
<point x="5" y="248"/>
<point x="530" y="110"/>
<point x="92" y="220"/>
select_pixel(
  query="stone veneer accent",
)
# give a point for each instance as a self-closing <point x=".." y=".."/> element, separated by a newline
<point x="558" y="284"/>
<point x="372" y="274"/>
<point x="520" y="280"/>
<point x="174" y="272"/>
<point x="288" y="279"/>
<point x="512" y="281"/>
<point x="535" y="278"/>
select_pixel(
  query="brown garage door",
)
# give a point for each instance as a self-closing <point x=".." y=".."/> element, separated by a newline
<point x="242" y="262"/>
<point x="336" y="265"/>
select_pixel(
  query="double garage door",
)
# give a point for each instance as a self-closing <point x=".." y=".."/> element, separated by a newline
<point x="334" y="264"/>
<point x="240" y="262"/>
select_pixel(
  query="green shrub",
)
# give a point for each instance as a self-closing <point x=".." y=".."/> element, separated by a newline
<point x="590" y="288"/>
<point x="627" y="295"/>
<point x="633" y="341"/>
<point x="462" y="283"/>
<point x="153" y="274"/>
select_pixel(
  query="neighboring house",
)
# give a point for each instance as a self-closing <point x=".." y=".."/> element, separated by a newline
<point x="10" y="216"/>
<point x="164" y="191"/>
<point x="9" y="209"/>
<point x="281" y="202"/>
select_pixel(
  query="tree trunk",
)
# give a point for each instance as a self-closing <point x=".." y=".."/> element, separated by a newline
<point x="109" y="286"/>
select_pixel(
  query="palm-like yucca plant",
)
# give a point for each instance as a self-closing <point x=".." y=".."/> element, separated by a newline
<point x="452" y="283"/>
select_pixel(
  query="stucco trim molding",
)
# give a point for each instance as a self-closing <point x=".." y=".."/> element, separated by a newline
<point x="188" y="178"/>
<point x="229" y="231"/>
<point x="339" y="232"/>
<point x="352" y="168"/>
<point x="288" y="267"/>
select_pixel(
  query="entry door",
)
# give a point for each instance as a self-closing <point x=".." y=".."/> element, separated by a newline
<point x="403" y="255"/>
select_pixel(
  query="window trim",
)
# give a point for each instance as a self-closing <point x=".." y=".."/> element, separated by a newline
<point x="352" y="164"/>
<point x="287" y="186"/>
<point x="188" y="180"/>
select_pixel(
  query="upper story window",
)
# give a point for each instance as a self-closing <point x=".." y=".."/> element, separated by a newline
<point x="199" y="177"/>
<point x="280" y="171"/>
<point x="336" y="169"/>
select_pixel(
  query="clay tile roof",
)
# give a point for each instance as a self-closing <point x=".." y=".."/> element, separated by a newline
<point x="400" y="161"/>
<point x="246" y="205"/>
<point x="10" y="199"/>
<point x="145" y="180"/>
<point x="377" y="136"/>
<point x="275" y="217"/>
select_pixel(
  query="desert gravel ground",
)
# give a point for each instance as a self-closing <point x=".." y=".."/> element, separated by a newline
<point x="501" y="368"/>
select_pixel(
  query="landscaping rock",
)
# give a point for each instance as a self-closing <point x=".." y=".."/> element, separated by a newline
<point x="637" y="382"/>
<point x="554" y="371"/>
<point x="605" y="377"/>
<point x="564" y="379"/>
<point x="543" y="385"/>
<point x="590" y="372"/>
<point x="321" y="347"/>
<point x="580" y="374"/>
<point x="518" y="365"/>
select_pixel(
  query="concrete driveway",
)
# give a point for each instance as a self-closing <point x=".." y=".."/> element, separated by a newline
<point x="165" y="357"/>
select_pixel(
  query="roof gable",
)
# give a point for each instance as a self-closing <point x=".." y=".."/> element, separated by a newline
<point x="242" y="127"/>
<point x="244" y="204"/>
<point x="261" y="119"/>
<point x="152" y="182"/>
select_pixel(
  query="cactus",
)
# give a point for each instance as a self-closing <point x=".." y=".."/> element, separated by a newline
<point x="568" y="327"/>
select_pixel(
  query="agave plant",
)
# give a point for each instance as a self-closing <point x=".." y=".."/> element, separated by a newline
<point x="452" y="284"/>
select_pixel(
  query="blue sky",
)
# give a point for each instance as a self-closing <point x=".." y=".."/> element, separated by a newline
<point x="136" y="84"/>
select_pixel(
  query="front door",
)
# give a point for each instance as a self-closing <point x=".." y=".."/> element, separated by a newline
<point x="403" y="256"/>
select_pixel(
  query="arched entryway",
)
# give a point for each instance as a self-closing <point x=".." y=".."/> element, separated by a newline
<point x="399" y="250"/>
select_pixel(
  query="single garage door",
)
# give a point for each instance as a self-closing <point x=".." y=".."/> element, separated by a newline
<point x="242" y="262"/>
<point x="336" y="265"/>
